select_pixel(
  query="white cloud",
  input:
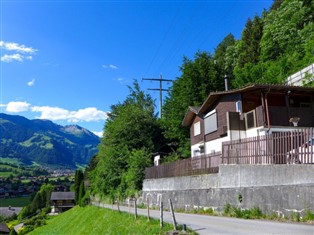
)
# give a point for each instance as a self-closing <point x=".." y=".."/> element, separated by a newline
<point x="98" y="133"/>
<point x="31" y="83"/>
<point x="17" y="106"/>
<point x="20" y="52"/>
<point x="51" y="113"/>
<point x="12" y="46"/>
<point x="10" y="58"/>
<point x="121" y="80"/>
<point x="110" y="66"/>
<point x="90" y="114"/>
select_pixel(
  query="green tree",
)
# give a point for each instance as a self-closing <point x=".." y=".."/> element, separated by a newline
<point x="81" y="194"/>
<point x="78" y="179"/>
<point x="137" y="162"/>
<point x="40" y="201"/>
<point x="132" y="125"/>
<point x="275" y="46"/>
<point x="198" y="79"/>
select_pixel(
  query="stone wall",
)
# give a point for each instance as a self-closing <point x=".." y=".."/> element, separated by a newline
<point x="273" y="188"/>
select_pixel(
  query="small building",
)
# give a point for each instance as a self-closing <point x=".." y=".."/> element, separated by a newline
<point x="62" y="201"/>
<point x="4" y="229"/>
<point x="9" y="211"/>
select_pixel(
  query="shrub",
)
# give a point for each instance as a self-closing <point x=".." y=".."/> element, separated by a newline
<point x="309" y="215"/>
<point x="227" y="209"/>
<point x="295" y="216"/>
<point x="256" y="213"/>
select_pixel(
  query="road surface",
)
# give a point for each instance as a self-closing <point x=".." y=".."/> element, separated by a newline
<point x="205" y="225"/>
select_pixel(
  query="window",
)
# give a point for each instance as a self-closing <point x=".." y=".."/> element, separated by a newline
<point x="250" y="121"/>
<point x="197" y="128"/>
<point x="238" y="106"/>
<point x="210" y="122"/>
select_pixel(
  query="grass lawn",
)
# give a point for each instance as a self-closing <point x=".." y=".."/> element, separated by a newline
<point x="95" y="220"/>
<point x="14" y="161"/>
<point x="15" y="202"/>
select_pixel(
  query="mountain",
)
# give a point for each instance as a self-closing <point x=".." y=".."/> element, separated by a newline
<point x="45" y="142"/>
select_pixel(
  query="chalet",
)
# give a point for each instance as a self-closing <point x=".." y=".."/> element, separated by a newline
<point x="62" y="201"/>
<point x="250" y="111"/>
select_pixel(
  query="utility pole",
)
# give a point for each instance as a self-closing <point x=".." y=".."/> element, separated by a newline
<point x="160" y="89"/>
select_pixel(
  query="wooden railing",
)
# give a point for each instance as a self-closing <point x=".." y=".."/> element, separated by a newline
<point x="278" y="148"/>
<point x="294" y="147"/>
<point x="191" y="166"/>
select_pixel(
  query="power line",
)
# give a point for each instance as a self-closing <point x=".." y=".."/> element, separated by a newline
<point x="160" y="89"/>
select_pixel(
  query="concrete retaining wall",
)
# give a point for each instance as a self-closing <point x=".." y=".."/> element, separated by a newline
<point x="277" y="188"/>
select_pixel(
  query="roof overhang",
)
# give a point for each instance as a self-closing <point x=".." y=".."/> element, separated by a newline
<point x="265" y="88"/>
<point x="190" y="115"/>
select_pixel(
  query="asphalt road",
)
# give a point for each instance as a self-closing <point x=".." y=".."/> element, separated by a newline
<point x="205" y="225"/>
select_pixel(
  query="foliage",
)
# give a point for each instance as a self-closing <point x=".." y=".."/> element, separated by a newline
<point x="40" y="201"/>
<point x="131" y="133"/>
<point x="94" y="220"/>
<point x="233" y="211"/>
<point x="79" y="186"/>
<point x="309" y="215"/>
<point x="275" y="46"/>
<point x="134" y="176"/>
<point x="11" y="169"/>
<point x="198" y="79"/>
<point x="81" y="194"/>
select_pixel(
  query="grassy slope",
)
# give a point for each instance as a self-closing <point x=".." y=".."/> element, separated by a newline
<point x="16" y="202"/>
<point x="95" y="220"/>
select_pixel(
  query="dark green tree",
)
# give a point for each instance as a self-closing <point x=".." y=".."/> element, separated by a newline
<point x="198" y="79"/>
<point x="81" y="193"/>
<point x="78" y="179"/>
<point x="40" y="201"/>
<point x="224" y="59"/>
<point x="132" y="125"/>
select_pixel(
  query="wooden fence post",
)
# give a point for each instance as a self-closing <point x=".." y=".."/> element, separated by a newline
<point x="135" y="208"/>
<point x="161" y="214"/>
<point x="118" y="205"/>
<point x="172" y="214"/>
<point x="129" y="206"/>
<point x="148" y="208"/>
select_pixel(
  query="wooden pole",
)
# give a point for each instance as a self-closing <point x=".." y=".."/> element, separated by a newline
<point x="172" y="214"/>
<point x="129" y="206"/>
<point x="118" y="205"/>
<point x="135" y="208"/>
<point x="148" y="209"/>
<point x="161" y="214"/>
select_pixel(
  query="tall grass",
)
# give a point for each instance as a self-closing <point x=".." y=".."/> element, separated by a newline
<point x="95" y="220"/>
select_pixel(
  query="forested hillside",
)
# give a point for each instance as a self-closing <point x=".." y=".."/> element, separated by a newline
<point x="272" y="46"/>
<point x="45" y="142"/>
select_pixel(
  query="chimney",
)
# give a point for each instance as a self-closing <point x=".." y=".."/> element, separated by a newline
<point x="226" y="83"/>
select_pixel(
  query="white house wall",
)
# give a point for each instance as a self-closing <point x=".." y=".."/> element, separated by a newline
<point x="216" y="145"/>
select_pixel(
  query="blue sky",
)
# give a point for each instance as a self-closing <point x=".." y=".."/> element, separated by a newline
<point x="68" y="61"/>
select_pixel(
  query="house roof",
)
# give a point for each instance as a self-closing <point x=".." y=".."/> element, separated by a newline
<point x="214" y="96"/>
<point x="62" y="196"/>
<point x="9" y="211"/>
<point x="190" y="114"/>
<point x="4" y="228"/>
